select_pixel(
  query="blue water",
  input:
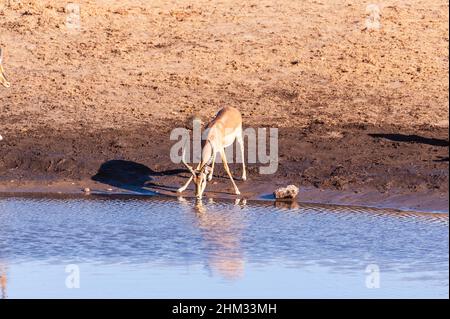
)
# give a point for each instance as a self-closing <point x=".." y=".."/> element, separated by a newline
<point x="161" y="248"/>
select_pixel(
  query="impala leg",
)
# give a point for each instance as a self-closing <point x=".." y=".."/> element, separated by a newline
<point x="183" y="188"/>
<point x="210" y="175"/>
<point x="225" y="165"/>
<point x="241" y="144"/>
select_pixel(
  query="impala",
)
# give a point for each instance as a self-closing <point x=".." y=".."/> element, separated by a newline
<point x="3" y="79"/>
<point x="221" y="132"/>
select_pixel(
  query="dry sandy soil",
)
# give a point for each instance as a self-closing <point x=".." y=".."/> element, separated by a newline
<point x="360" y="111"/>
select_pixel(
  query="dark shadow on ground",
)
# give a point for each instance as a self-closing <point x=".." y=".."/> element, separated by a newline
<point x="268" y="196"/>
<point x="138" y="178"/>
<point x="412" y="139"/>
<point x="132" y="176"/>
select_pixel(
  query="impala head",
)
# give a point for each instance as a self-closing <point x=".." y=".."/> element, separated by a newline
<point x="3" y="80"/>
<point x="199" y="177"/>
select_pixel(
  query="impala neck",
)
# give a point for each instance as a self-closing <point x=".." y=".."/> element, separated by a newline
<point x="207" y="152"/>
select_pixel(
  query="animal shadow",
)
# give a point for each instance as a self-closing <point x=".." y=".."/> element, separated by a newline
<point x="132" y="176"/>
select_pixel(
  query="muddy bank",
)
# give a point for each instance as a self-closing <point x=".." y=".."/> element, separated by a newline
<point x="351" y="164"/>
<point x="362" y="113"/>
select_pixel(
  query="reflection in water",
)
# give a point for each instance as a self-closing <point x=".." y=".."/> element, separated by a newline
<point x="290" y="204"/>
<point x="3" y="281"/>
<point x="223" y="236"/>
<point x="184" y="249"/>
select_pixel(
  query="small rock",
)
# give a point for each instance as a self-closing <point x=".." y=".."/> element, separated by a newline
<point x="289" y="192"/>
<point x="86" y="190"/>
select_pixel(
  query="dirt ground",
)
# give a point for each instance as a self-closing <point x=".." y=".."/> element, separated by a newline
<point x="359" y="111"/>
